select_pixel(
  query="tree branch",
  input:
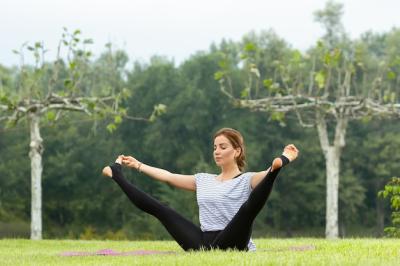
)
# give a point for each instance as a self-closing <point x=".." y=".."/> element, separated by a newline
<point x="357" y="107"/>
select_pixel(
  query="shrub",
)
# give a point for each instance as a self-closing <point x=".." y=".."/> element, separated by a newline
<point x="392" y="190"/>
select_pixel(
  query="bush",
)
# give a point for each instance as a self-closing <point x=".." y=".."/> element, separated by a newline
<point x="16" y="229"/>
<point x="392" y="190"/>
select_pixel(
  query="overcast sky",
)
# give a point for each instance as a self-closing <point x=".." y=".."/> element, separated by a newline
<point x="177" y="28"/>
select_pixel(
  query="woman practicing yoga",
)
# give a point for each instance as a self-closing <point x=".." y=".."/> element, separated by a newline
<point x="228" y="202"/>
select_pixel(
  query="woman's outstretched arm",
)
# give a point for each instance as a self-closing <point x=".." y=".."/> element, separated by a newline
<point x="186" y="182"/>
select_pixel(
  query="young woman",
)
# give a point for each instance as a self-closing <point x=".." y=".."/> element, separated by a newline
<point x="228" y="202"/>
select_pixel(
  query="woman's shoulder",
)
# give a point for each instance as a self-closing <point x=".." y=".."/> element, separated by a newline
<point x="248" y="174"/>
<point x="204" y="175"/>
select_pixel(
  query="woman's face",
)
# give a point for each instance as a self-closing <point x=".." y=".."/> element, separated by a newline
<point x="224" y="152"/>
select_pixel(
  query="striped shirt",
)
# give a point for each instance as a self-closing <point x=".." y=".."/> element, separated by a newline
<point x="219" y="201"/>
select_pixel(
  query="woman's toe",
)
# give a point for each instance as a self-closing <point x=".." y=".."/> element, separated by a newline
<point x="119" y="159"/>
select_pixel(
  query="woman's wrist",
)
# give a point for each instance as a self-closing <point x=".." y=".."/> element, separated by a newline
<point x="138" y="167"/>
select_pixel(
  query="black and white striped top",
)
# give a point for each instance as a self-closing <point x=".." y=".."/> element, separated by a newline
<point x="219" y="201"/>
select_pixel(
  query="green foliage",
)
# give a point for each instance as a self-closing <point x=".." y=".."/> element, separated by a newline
<point x="111" y="127"/>
<point x="158" y="111"/>
<point x="219" y="75"/>
<point x="392" y="191"/>
<point x="90" y="233"/>
<point x="352" y="196"/>
<point x="278" y="116"/>
<point x="320" y="79"/>
<point x="51" y="116"/>
<point x="14" y="229"/>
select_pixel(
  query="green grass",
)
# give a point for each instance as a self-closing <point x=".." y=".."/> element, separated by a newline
<point x="270" y="252"/>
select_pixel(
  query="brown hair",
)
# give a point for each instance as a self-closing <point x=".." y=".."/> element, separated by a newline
<point x="236" y="139"/>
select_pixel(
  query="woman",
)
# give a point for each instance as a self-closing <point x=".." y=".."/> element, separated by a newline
<point x="228" y="202"/>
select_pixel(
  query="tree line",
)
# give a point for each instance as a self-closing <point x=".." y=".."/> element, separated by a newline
<point x="79" y="203"/>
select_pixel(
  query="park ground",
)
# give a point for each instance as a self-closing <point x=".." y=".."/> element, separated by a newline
<point x="298" y="251"/>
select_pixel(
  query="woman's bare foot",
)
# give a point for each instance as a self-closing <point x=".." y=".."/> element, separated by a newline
<point x="107" y="170"/>
<point x="290" y="152"/>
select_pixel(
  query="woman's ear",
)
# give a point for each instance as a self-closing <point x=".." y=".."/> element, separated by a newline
<point x="238" y="152"/>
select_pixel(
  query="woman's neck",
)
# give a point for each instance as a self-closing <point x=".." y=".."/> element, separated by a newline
<point x="229" y="171"/>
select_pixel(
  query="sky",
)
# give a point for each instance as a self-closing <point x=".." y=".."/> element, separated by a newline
<point x="177" y="29"/>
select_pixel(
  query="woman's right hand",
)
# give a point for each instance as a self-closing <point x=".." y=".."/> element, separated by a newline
<point x="130" y="162"/>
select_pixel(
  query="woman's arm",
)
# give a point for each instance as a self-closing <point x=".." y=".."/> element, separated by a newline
<point x="180" y="181"/>
<point x="258" y="177"/>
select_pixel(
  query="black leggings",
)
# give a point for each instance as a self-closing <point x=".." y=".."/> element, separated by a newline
<point x="236" y="234"/>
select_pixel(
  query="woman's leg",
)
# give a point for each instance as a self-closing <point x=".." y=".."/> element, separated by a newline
<point x="237" y="233"/>
<point x="188" y="235"/>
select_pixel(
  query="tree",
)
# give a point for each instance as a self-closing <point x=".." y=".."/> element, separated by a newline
<point x="46" y="91"/>
<point x="335" y="82"/>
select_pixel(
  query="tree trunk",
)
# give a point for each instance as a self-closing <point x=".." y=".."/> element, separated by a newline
<point x="332" y="165"/>
<point x="332" y="160"/>
<point x="35" y="153"/>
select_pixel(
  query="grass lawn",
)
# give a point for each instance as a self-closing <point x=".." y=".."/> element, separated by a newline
<point x="300" y="251"/>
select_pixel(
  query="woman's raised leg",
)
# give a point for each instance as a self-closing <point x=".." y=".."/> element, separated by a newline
<point x="187" y="234"/>
<point x="237" y="233"/>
